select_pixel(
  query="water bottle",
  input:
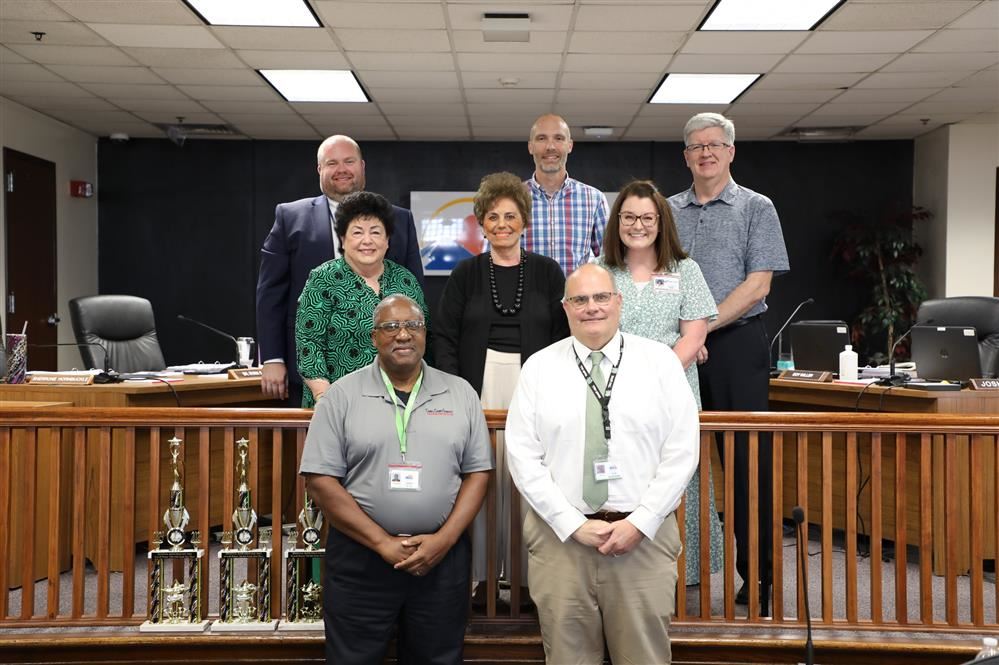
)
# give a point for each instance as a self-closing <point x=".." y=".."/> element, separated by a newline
<point x="848" y="364"/>
<point x="989" y="648"/>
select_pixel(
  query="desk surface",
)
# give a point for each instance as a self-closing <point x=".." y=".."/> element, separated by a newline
<point x="192" y="391"/>
<point x="787" y="395"/>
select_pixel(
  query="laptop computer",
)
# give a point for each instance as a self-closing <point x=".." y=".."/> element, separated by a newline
<point x="946" y="353"/>
<point x="816" y="345"/>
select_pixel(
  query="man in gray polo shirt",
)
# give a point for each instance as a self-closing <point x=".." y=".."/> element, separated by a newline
<point x="734" y="235"/>
<point x="397" y="456"/>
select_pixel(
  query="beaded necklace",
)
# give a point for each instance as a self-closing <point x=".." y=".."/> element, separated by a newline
<point x="519" y="297"/>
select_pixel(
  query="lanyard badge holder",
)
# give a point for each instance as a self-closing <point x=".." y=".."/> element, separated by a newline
<point x="404" y="476"/>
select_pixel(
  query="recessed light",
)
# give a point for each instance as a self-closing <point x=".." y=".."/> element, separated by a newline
<point x="768" y="14"/>
<point x="598" y="132"/>
<point x="702" y="88"/>
<point x="316" y="85"/>
<point x="285" y="13"/>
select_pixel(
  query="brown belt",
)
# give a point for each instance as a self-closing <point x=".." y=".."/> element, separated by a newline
<point x="606" y="516"/>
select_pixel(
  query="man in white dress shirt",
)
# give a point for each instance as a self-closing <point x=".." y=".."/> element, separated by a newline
<point x="601" y="440"/>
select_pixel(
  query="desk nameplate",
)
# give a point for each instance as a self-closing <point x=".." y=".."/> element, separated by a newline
<point x="806" y="375"/>
<point x="251" y="373"/>
<point x="985" y="384"/>
<point x="57" y="379"/>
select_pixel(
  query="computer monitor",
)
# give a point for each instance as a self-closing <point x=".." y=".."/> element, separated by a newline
<point x="946" y="353"/>
<point x="816" y="345"/>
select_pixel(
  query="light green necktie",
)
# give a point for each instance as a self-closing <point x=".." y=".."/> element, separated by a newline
<point x="595" y="446"/>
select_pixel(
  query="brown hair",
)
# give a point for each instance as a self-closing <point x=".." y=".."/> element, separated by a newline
<point x="669" y="253"/>
<point x="505" y="185"/>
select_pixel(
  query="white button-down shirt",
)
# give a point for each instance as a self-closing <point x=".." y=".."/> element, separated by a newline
<point x="654" y="433"/>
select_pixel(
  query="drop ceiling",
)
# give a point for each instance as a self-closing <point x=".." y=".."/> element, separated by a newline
<point x="896" y="69"/>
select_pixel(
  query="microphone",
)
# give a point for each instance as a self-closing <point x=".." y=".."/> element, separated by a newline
<point x="229" y="337"/>
<point x="894" y="380"/>
<point x="798" y="514"/>
<point x="780" y="332"/>
<point x="107" y="375"/>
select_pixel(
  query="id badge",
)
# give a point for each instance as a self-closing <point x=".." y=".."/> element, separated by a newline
<point x="666" y="282"/>
<point x="405" y="477"/>
<point x="605" y="469"/>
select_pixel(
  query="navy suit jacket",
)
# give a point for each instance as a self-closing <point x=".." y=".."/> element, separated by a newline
<point x="300" y="240"/>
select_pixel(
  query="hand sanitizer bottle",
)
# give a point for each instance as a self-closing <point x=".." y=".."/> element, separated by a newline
<point x="848" y="364"/>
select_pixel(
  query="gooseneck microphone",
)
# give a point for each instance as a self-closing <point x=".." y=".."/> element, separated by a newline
<point x="229" y="337"/>
<point x="807" y="301"/>
<point x="798" y="514"/>
<point x="107" y="375"/>
<point x="894" y="380"/>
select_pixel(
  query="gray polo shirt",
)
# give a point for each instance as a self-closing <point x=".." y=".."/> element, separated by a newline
<point x="731" y="236"/>
<point x="353" y="437"/>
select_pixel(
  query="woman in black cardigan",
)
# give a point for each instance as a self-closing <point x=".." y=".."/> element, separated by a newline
<point x="498" y="308"/>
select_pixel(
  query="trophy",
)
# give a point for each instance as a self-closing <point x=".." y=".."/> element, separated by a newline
<point x="175" y="574"/>
<point x="304" y="601"/>
<point x="245" y="604"/>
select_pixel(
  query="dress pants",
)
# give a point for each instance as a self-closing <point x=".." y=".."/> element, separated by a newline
<point x="736" y="377"/>
<point x="364" y="598"/>
<point x="584" y="597"/>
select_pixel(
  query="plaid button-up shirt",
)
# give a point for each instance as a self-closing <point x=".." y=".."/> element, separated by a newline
<point x="567" y="226"/>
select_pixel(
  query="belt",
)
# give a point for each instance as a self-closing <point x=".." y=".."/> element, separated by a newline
<point x="741" y="322"/>
<point x="607" y="516"/>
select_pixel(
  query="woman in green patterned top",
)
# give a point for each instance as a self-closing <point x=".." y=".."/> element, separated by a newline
<point x="665" y="298"/>
<point x="333" y="325"/>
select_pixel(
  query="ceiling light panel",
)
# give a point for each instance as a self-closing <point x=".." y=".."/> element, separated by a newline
<point x="286" y="13"/>
<point x="702" y="88"/>
<point x="315" y="85"/>
<point x="768" y="14"/>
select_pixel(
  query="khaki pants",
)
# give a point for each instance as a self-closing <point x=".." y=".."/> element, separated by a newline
<point x="584" y="597"/>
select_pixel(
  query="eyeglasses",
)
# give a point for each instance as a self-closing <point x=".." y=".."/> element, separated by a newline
<point x="392" y="328"/>
<point x="579" y="302"/>
<point x="695" y="148"/>
<point x="630" y="218"/>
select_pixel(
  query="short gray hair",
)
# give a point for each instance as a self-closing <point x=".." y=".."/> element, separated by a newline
<point x="391" y="300"/>
<point x="706" y="120"/>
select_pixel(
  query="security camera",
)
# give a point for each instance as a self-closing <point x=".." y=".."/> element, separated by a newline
<point x="119" y="137"/>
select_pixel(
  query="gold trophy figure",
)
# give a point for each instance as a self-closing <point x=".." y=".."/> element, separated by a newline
<point x="303" y="598"/>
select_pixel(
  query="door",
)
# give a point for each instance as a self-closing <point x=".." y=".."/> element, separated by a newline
<point x="30" y="215"/>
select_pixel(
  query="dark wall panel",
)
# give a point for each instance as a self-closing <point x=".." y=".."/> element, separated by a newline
<point x="182" y="226"/>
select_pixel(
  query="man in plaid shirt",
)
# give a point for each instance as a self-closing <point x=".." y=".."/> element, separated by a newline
<point x="567" y="216"/>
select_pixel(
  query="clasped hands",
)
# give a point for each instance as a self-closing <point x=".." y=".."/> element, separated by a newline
<point x="415" y="555"/>
<point x="609" y="538"/>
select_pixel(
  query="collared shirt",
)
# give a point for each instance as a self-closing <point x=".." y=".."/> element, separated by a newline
<point x="353" y="437"/>
<point x="567" y="226"/>
<point x="654" y="433"/>
<point x="734" y="234"/>
<point x="336" y="239"/>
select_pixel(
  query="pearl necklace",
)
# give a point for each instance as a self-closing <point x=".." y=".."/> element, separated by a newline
<point x="519" y="298"/>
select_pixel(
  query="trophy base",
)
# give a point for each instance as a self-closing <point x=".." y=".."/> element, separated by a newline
<point x="248" y="627"/>
<point x="150" y="627"/>
<point x="301" y="626"/>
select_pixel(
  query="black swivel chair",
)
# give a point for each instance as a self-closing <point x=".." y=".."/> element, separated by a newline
<point x="981" y="312"/>
<point x="124" y="325"/>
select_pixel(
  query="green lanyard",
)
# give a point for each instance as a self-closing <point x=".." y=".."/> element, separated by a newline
<point x="402" y="417"/>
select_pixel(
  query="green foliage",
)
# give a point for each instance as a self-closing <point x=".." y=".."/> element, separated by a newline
<point x="881" y="256"/>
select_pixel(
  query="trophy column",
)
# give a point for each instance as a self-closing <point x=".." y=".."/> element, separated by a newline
<point x="304" y="596"/>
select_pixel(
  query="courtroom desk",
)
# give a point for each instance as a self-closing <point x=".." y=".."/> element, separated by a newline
<point x="46" y="448"/>
<point x="788" y="395"/>
<point x="193" y="391"/>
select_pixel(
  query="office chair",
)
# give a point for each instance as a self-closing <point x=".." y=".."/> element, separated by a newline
<point x="124" y="326"/>
<point x="982" y="312"/>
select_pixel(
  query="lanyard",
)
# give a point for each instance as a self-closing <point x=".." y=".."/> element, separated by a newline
<point x="605" y="397"/>
<point x="402" y="415"/>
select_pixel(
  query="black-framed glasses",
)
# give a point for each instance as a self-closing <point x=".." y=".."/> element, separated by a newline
<point x="714" y="146"/>
<point x="392" y="328"/>
<point x="579" y="302"/>
<point x="630" y="218"/>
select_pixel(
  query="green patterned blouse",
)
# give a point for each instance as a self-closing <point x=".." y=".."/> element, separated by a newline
<point x="333" y="323"/>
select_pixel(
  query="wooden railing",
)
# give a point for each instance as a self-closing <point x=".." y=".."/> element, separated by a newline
<point x="81" y="486"/>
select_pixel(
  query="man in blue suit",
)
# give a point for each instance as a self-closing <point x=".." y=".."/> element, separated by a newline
<point x="301" y="239"/>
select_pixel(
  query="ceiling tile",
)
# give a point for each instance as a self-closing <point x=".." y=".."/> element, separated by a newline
<point x="544" y="18"/>
<point x="633" y="42"/>
<point x="911" y="80"/>
<point x="349" y="125"/>
<point x="985" y="15"/>
<point x="418" y="134"/>
<point x="56" y="33"/>
<point x="168" y="117"/>
<point x="222" y="106"/>
<point x="871" y="95"/>
<point x="422" y="108"/>
<point x="961" y="41"/>
<point x="278" y="39"/>
<point x="431" y="62"/>
<point x="496" y="134"/>
<point x="8" y="57"/>
<point x="859" y="62"/>
<point x="930" y="109"/>
<point x="70" y="103"/>
<point x="603" y="96"/>
<point x="863" y="41"/>
<point x="917" y="119"/>
<point x="32" y="10"/>
<point x="884" y="132"/>
<point x="942" y="62"/>
<point x="262" y="119"/>
<point x="718" y="42"/>
<point x="172" y="106"/>
<point x="989" y="77"/>
<point x="414" y="16"/>
<point x="406" y="41"/>
<point x="626" y="17"/>
<point x="302" y="132"/>
<point x="541" y="42"/>
<point x="755" y="95"/>
<point x="986" y="94"/>
<point x="360" y="134"/>
<point x="607" y="81"/>
<point x="988" y="118"/>
<point x="294" y="59"/>
<point x="487" y="62"/>
<point x="492" y="79"/>
<point x="500" y="109"/>
<point x="409" y="79"/>
<point x="196" y="57"/>
<point x="24" y="72"/>
<point x="50" y="54"/>
<point x="165" y="12"/>
<point x="404" y="123"/>
<point x="596" y="118"/>
<point x="260" y="92"/>
<point x="848" y="120"/>
<point x="807" y="81"/>
<point x="92" y="74"/>
<point x="893" y="16"/>
<point x="880" y="109"/>
<point x="508" y="95"/>
<point x="157" y="36"/>
<point x="133" y="90"/>
<point x="414" y="95"/>
<point x="790" y="109"/>
<point x="336" y="109"/>
<point x="43" y="89"/>
<point x="722" y="64"/>
<point x="178" y="76"/>
<point x="617" y="63"/>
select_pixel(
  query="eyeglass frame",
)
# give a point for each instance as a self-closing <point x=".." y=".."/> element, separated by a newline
<point x="393" y="328"/>
<point x="713" y="147"/>
<point x="646" y="224"/>
<point x="581" y="301"/>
